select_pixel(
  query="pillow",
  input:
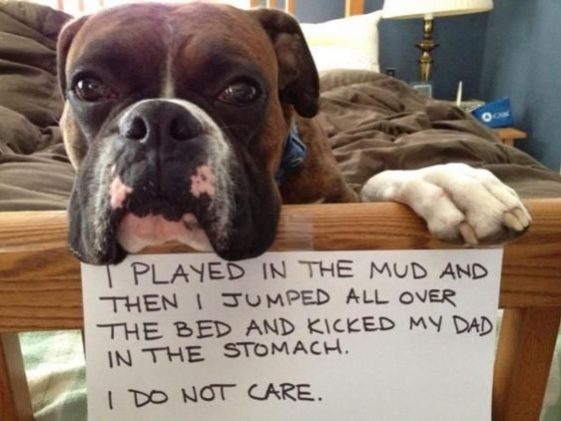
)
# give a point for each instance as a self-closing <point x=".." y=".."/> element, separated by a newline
<point x="347" y="43"/>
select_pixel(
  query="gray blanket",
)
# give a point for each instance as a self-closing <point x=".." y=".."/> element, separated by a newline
<point x="34" y="171"/>
<point x="375" y="123"/>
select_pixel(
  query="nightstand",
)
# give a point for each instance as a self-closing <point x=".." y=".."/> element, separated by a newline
<point x="509" y="134"/>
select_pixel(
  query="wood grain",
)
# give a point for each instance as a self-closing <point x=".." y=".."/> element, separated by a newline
<point x="7" y="402"/>
<point x="15" y="403"/>
<point x="40" y="280"/>
<point x="354" y="7"/>
<point x="511" y="133"/>
<point x="272" y="4"/>
<point x="290" y="6"/>
<point x="523" y="362"/>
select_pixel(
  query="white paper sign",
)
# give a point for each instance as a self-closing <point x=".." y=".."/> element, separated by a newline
<point x="364" y="335"/>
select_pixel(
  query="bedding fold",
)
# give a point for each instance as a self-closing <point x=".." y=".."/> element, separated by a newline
<point x="377" y="123"/>
<point x="34" y="171"/>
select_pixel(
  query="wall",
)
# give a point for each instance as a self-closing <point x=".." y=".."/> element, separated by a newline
<point x="522" y="61"/>
<point x="398" y="39"/>
<point x="451" y="64"/>
<point x="511" y="51"/>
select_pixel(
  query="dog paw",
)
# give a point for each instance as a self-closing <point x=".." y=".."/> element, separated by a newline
<point x="459" y="203"/>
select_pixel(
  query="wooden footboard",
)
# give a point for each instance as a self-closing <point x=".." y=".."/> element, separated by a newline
<point x="40" y="286"/>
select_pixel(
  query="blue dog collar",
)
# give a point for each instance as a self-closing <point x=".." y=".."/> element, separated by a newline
<point x="292" y="157"/>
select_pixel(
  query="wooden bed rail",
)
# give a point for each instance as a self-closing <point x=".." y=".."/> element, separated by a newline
<point x="40" y="282"/>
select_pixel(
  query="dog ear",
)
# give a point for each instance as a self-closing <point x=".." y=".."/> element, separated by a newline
<point x="74" y="141"/>
<point x="298" y="77"/>
<point x="65" y="38"/>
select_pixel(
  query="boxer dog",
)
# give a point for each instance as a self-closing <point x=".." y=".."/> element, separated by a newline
<point x="194" y="122"/>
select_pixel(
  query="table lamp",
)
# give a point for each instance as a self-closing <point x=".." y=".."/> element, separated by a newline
<point x="429" y="9"/>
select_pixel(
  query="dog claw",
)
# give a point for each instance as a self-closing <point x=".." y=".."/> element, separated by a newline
<point x="523" y="216"/>
<point x="512" y="221"/>
<point x="468" y="234"/>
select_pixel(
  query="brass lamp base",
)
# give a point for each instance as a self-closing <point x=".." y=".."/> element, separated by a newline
<point x="426" y="46"/>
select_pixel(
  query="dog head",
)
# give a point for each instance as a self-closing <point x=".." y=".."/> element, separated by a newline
<point x="175" y="119"/>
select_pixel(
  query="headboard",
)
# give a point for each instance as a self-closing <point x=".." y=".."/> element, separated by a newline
<point x="352" y="7"/>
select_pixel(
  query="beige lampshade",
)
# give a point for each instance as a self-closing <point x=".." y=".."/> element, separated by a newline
<point x="405" y="9"/>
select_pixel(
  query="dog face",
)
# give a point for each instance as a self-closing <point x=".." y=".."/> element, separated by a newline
<point x="175" y="118"/>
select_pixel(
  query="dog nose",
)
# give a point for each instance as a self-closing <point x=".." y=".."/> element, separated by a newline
<point x="156" y="122"/>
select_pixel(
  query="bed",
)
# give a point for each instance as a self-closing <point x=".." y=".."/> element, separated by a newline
<point x="374" y="122"/>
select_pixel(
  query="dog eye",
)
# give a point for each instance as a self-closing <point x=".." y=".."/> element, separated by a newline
<point x="240" y="93"/>
<point x="90" y="89"/>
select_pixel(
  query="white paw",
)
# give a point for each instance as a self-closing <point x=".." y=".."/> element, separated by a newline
<point x="458" y="202"/>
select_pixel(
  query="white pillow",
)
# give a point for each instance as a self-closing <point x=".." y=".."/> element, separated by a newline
<point x="347" y="43"/>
